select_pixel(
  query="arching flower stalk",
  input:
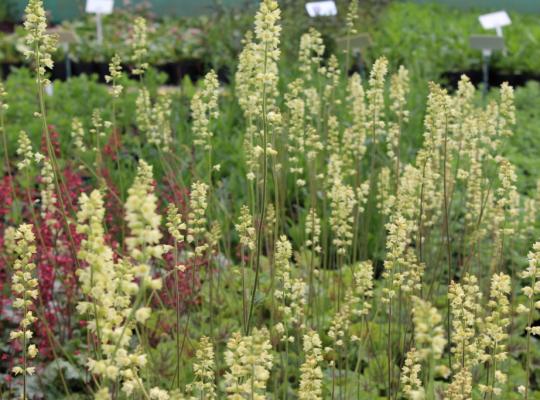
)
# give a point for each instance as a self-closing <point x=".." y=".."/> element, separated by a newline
<point x="41" y="46"/>
<point x="266" y="52"/>
<point x="25" y="288"/>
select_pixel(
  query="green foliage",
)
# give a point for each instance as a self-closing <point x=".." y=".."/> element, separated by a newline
<point x="431" y="39"/>
<point x="524" y="144"/>
<point x="427" y="38"/>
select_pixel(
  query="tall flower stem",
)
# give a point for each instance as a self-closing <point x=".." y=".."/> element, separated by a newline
<point x="447" y="233"/>
<point x="262" y="216"/>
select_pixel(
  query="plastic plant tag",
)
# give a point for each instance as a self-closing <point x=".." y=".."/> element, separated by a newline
<point x="99" y="6"/>
<point x="321" y="8"/>
<point x="486" y="42"/>
<point x="494" y="20"/>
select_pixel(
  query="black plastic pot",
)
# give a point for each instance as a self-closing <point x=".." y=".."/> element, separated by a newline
<point x="82" y="67"/>
<point x="193" y="68"/>
<point x="7" y="26"/>
<point x="175" y="71"/>
<point x="496" y="78"/>
<point x="6" y="68"/>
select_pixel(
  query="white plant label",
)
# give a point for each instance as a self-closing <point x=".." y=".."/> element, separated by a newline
<point x="494" y="20"/>
<point x="321" y="8"/>
<point x="99" y="6"/>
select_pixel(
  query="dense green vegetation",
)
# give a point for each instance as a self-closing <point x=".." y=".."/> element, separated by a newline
<point x="299" y="232"/>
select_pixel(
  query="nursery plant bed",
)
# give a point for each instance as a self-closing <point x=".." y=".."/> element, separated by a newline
<point x="194" y="68"/>
<point x="175" y="71"/>
<point x="496" y="78"/>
